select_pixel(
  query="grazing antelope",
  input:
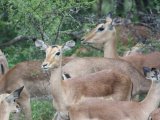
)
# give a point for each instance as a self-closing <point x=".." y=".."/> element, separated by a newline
<point x="8" y="104"/>
<point x="3" y="64"/>
<point x="99" y="109"/>
<point x="35" y="81"/>
<point x="105" y="34"/>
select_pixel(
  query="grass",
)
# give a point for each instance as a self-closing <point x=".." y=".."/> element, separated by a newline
<point x="41" y="110"/>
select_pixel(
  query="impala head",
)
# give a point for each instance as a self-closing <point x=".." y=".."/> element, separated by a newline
<point x="101" y="34"/>
<point x="8" y="101"/>
<point x="53" y="53"/>
<point x="152" y="73"/>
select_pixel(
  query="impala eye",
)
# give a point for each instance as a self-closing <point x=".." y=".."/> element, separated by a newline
<point x="100" y="29"/>
<point x="58" y="53"/>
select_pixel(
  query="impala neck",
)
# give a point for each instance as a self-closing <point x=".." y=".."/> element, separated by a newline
<point x="4" y="114"/>
<point x="110" y="49"/>
<point x="57" y="88"/>
<point x="152" y="99"/>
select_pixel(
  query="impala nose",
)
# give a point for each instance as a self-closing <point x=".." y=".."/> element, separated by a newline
<point x="45" y="66"/>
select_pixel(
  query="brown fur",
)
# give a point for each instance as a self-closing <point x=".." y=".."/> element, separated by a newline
<point x="108" y="84"/>
<point x="80" y="67"/>
<point x="96" y="109"/>
<point x="83" y="66"/>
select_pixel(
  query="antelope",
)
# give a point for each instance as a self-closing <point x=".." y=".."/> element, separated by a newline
<point x="87" y="65"/>
<point x="35" y="81"/>
<point x="108" y="84"/>
<point x="99" y="109"/>
<point x="105" y="34"/>
<point x="3" y="64"/>
<point x="8" y="104"/>
<point x="80" y="67"/>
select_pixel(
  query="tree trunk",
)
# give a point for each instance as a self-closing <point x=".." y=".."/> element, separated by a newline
<point x="99" y="8"/>
<point x="119" y="7"/>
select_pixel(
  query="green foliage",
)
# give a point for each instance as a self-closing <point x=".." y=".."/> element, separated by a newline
<point x="6" y="31"/>
<point x="41" y="110"/>
<point x="22" y="52"/>
<point x="150" y="46"/>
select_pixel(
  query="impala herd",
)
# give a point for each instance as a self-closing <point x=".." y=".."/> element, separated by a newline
<point x="84" y="88"/>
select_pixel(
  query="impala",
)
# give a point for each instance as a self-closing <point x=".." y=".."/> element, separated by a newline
<point x="87" y="65"/>
<point x="105" y="34"/>
<point x="35" y="81"/>
<point x="99" y="109"/>
<point x="8" y="103"/>
<point x="3" y="64"/>
<point x="80" y="67"/>
<point x="108" y="84"/>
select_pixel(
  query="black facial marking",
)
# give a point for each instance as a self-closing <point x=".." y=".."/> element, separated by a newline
<point x="58" y="53"/>
<point x="67" y="75"/>
<point x="2" y="69"/>
<point x="100" y="29"/>
<point x="54" y="46"/>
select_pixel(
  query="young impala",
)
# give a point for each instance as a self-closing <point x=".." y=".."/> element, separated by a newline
<point x="78" y="69"/>
<point x="105" y="34"/>
<point x="8" y="104"/>
<point x="99" y="109"/>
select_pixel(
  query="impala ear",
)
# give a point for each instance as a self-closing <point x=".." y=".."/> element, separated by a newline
<point x="117" y="21"/>
<point x="68" y="45"/>
<point x="146" y="70"/>
<point x="41" y="44"/>
<point x="14" y="95"/>
<point x="109" y="15"/>
<point x="108" y="20"/>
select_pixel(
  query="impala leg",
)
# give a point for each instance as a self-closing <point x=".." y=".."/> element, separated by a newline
<point x="27" y="109"/>
<point x="24" y="102"/>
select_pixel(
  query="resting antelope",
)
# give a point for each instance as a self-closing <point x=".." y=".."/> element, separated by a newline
<point x="105" y="34"/>
<point x="8" y="104"/>
<point x="81" y="67"/>
<point x="3" y="64"/>
<point x="99" y="109"/>
<point x="35" y="81"/>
